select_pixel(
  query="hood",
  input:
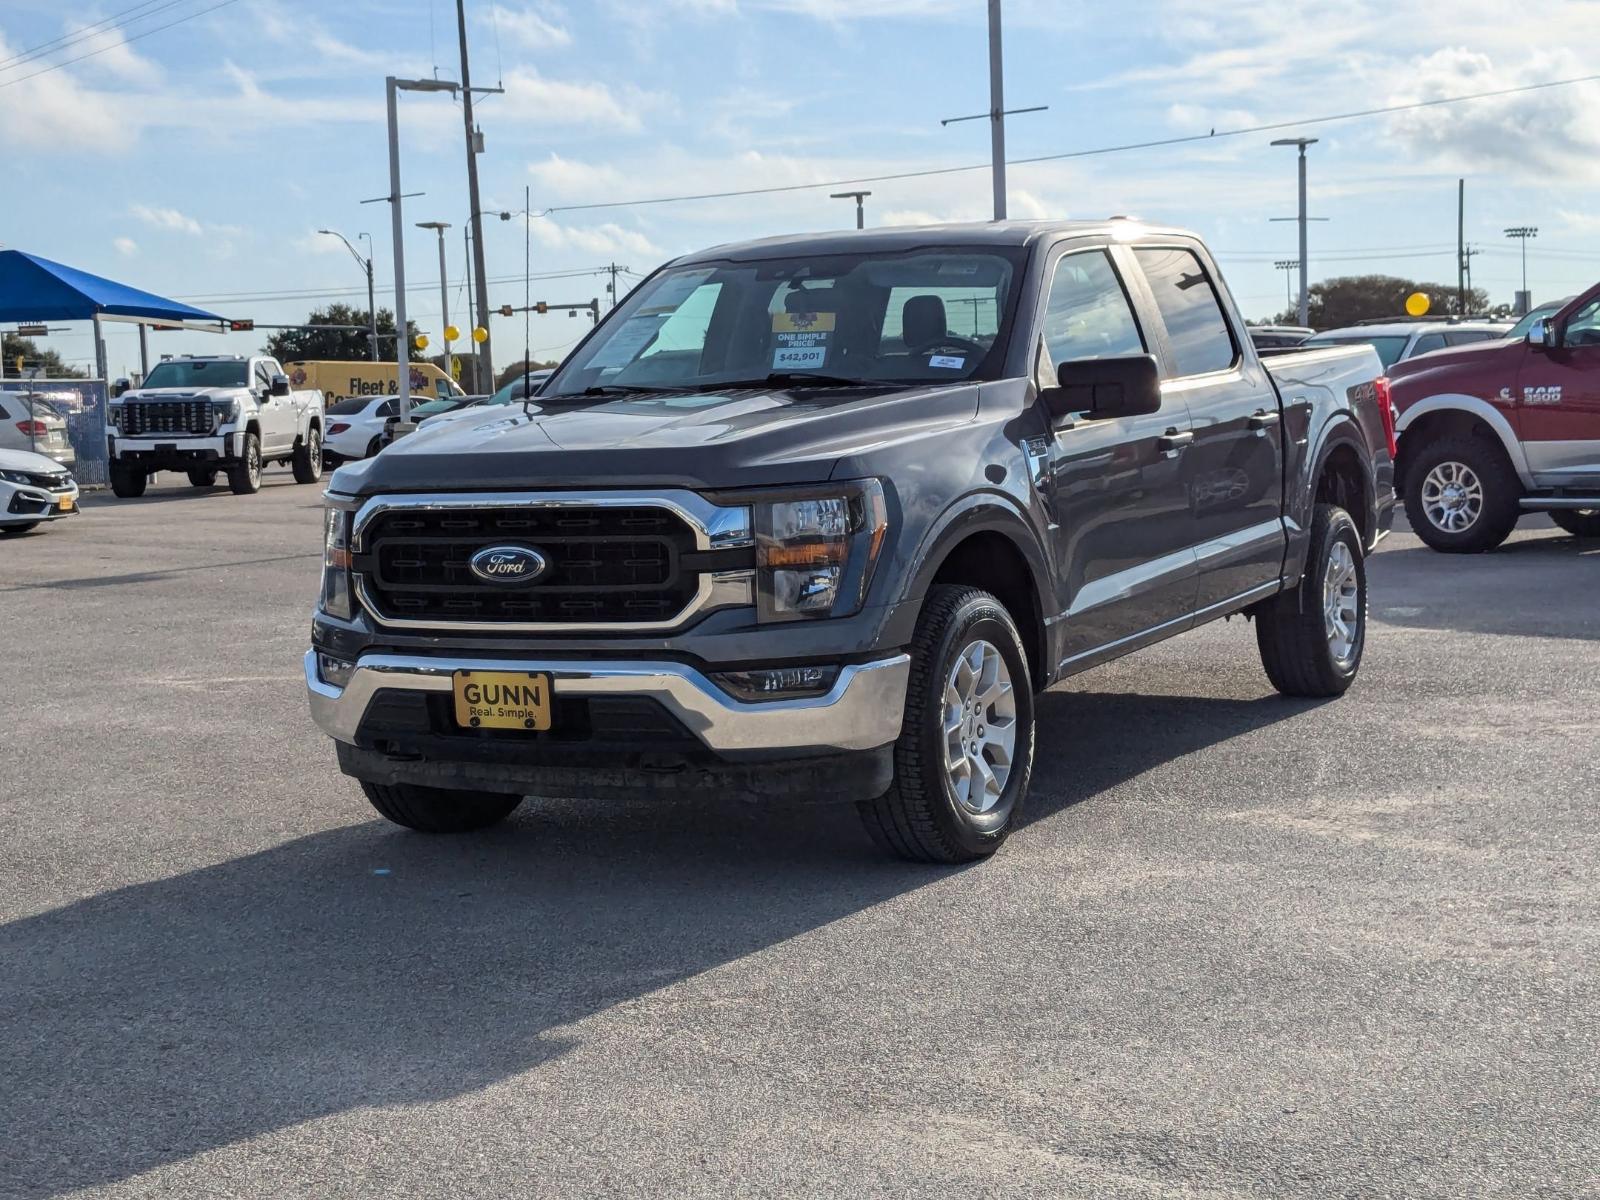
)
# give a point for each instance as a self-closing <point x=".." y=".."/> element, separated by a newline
<point x="1473" y="355"/>
<point x="1476" y="369"/>
<point x="737" y="438"/>
<point x="180" y="393"/>
<point x="27" y="460"/>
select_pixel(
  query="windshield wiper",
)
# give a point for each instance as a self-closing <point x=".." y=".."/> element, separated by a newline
<point x="787" y="379"/>
<point x="621" y="389"/>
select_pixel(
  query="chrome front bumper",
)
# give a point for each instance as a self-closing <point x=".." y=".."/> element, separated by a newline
<point x="862" y="710"/>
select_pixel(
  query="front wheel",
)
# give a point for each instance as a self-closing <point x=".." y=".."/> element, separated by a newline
<point x="439" y="810"/>
<point x="245" y="478"/>
<point x="1579" y="522"/>
<point x="1462" y="495"/>
<point x="128" y="484"/>
<point x="308" y="457"/>
<point x="1311" y="639"/>
<point x="965" y="752"/>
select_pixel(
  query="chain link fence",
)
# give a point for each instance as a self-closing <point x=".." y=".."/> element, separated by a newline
<point x="63" y="419"/>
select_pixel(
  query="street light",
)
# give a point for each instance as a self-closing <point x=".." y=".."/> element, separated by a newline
<point x="392" y="86"/>
<point x="444" y="297"/>
<point x="1522" y="233"/>
<point x="1286" y="265"/>
<point x="857" y="197"/>
<point x="366" y="265"/>
<point x="1305" y="298"/>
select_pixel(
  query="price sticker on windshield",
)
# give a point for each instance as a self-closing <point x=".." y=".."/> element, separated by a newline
<point x="800" y="339"/>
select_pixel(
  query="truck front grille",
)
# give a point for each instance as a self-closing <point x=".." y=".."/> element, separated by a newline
<point x="141" y="418"/>
<point x="605" y="565"/>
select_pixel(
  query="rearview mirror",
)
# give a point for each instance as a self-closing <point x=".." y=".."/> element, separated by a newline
<point x="1105" y="387"/>
<point x="280" y="385"/>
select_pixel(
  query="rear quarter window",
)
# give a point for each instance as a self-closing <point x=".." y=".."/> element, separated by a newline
<point x="1197" y="330"/>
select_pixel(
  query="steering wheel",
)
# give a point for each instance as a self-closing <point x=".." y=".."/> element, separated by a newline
<point x="1584" y="337"/>
<point x="951" y="341"/>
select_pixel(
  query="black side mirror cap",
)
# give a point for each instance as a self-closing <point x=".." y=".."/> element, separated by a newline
<point x="119" y="387"/>
<point x="280" y="385"/>
<point x="1129" y="386"/>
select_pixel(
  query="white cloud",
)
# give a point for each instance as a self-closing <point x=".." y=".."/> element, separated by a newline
<point x="607" y="238"/>
<point x="126" y="246"/>
<point x="169" y="219"/>
<point x="533" y="27"/>
<point x="537" y="100"/>
<point x="111" y="54"/>
<point x="566" y="178"/>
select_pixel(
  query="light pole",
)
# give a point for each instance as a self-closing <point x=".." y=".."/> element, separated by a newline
<point x="444" y="295"/>
<point x="1522" y="233"/>
<point x="392" y="87"/>
<point x="858" y="197"/>
<point x="1305" y="297"/>
<point x="366" y="265"/>
<point x="1286" y="265"/>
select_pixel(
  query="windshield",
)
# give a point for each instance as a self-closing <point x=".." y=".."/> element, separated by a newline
<point x="922" y="316"/>
<point x="1389" y="348"/>
<point x="197" y="374"/>
<point x="428" y="407"/>
<point x="518" y="389"/>
<point x="1520" y="329"/>
<point x="350" y="407"/>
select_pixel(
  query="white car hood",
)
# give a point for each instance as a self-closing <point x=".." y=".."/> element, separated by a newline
<point x="27" y="460"/>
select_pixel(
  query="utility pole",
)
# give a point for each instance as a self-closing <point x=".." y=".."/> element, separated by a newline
<point x="612" y="286"/>
<point x="484" y="360"/>
<point x="366" y="265"/>
<point x="1522" y="233"/>
<point x="1469" y="254"/>
<point x="472" y="309"/>
<point x="997" y="114"/>
<point x="861" y="220"/>
<point x="1305" y="295"/>
<point x="1286" y="265"/>
<point x="444" y="288"/>
<point x="1461" y="247"/>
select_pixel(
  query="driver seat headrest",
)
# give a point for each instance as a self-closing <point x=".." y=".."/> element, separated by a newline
<point x="922" y="321"/>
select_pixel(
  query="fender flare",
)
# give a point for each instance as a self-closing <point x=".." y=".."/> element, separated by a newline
<point x="1485" y="412"/>
<point x="1339" y="430"/>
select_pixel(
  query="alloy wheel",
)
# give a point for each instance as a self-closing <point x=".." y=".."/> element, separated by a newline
<point x="980" y="726"/>
<point x="1341" y="596"/>
<point x="1452" y="497"/>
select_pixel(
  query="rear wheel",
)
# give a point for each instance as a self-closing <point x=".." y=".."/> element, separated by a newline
<point x="203" y="477"/>
<point x="308" y="457"/>
<point x="1311" y="639"/>
<point x="128" y="483"/>
<point x="245" y="478"/>
<point x="1579" y="522"/>
<point x="1461" y="495"/>
<point x="439" y="810"/>
<point x="965" y="752"/>
<point x="374" y="446"/>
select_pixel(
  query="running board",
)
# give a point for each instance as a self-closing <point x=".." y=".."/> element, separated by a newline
<point x="1549" y="503"/>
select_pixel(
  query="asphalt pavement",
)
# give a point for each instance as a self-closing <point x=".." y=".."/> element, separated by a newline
<point x="1242" y="947"/>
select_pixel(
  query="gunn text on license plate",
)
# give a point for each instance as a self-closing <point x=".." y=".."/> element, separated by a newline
<point x="502" y="699"/>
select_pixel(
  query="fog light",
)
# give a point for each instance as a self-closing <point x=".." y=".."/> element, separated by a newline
<point x="333" y="670"/>
<point x="778" y="683"/>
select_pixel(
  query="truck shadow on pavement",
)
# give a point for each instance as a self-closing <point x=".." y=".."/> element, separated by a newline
<point x="365" y="966"/>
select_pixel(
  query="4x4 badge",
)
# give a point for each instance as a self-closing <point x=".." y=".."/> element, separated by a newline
<point x="508" y="564"/>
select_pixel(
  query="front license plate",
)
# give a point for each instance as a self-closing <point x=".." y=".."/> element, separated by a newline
<point x="502" y="700"/>
<point x="66" y="504"/>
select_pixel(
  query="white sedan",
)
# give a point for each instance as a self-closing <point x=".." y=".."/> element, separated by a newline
<point x="355" y="426"/>
<point x="33" y="488"/>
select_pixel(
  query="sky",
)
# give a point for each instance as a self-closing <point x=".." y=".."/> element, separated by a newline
<point x="199" y="160"/>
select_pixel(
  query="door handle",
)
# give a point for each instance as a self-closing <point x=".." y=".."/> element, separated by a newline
<point x="1261" y="419"/>
<point x="1171" y="442"/>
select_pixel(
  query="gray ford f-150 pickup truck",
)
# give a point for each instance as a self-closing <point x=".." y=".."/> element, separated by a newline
<point x="818" y="516"/>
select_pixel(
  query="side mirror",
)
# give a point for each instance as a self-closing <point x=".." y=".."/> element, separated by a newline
<point x="119" y="387"/>
<point x="280" y="385"/>
<point x="1105" y="387"/>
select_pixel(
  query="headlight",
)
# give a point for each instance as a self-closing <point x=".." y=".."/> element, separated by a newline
<point x="13" y="476"/>
<point x="223" y="411"/>
<point x="815" y="551"/>
<point x="335" y="600"/>
<point x="114" y="415"/>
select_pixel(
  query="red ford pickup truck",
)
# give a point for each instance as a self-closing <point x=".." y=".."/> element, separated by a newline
<point x="1496" y="429"/>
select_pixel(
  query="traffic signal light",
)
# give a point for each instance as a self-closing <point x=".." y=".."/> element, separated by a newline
<point x="241" y="326"/>
<point x="506" y="310"/>
<point x="541" y="307"/>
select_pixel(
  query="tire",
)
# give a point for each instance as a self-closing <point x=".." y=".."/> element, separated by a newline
<point x="1488" y="491"/>
<point x="203" y="477"/>
<point x="373" y="447"/>
<point x="308" y="457"/>
<point x="1579" y="522"/>
<point x="1295" y="631"/>
<point x="924" y="817"/>
<point x="439" y="810"/>
<point x="127" y="484"/>
<point x="9" y="530"/>
<point x="245" y="479"/>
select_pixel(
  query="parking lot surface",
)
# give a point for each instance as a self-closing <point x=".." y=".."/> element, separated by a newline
<point x="1243" y="946"/>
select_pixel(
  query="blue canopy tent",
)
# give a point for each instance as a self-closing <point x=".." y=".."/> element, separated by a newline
<point x="36" y="289"/>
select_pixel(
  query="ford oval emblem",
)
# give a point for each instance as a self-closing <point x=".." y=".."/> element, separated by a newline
<point x="508" y="564"/>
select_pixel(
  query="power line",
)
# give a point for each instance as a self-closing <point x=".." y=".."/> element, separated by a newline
<point x="67" y="62"/>
<point x="86" y="31"/>
<point x="1214" y="135"/>
<point x="271" y="296"/>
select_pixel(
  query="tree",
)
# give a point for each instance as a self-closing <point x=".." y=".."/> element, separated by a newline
<point x="518" y="369"/>
<point x="340" y="345"/>
<point x="50" y="364"/>
<point x="1347" y="299"/>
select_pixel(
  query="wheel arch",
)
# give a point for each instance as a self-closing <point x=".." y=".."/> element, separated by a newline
<point x="1453" y="412"/>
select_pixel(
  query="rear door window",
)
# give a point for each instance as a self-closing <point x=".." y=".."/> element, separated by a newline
<point x="1465" y="337"/>
<point x="1427" y="342"/>
<point x="1197" y="331"/>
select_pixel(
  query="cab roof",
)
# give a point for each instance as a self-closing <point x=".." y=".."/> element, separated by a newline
<point x="899" y="238"/>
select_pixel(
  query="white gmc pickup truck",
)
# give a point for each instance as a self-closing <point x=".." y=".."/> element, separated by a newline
<point x="205" y="414"/>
